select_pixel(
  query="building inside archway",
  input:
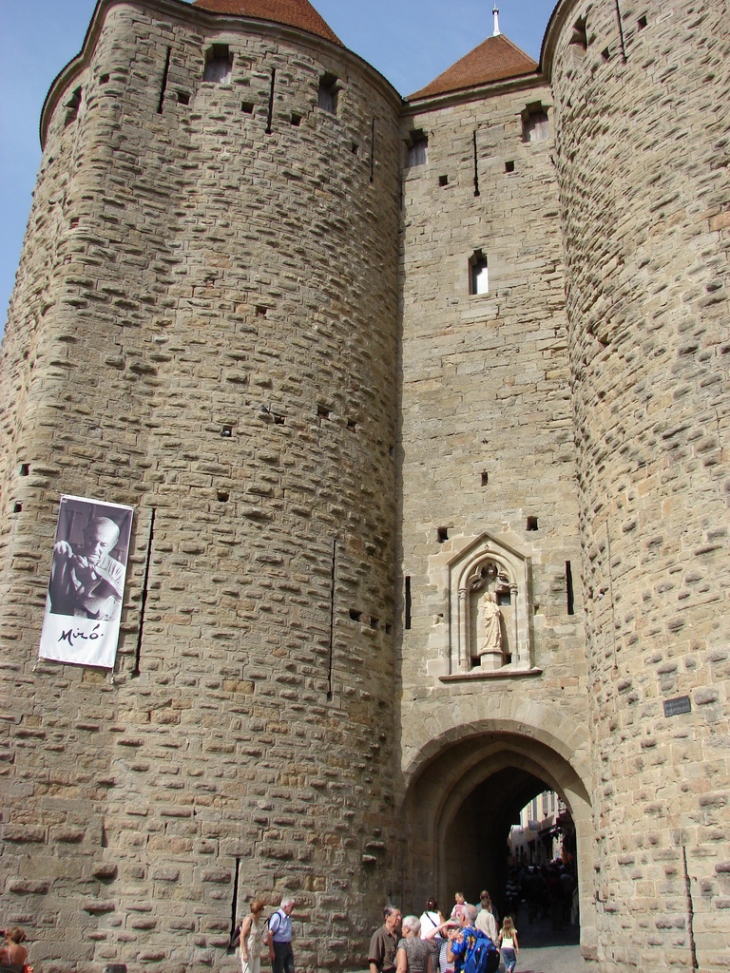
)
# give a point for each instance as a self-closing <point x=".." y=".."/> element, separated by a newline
<point x="464" y="806"/>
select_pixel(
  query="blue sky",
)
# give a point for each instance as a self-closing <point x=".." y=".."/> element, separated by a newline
<point x="409" y="41"/>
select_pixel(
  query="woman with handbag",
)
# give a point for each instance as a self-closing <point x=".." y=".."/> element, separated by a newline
<point x="252" y="939"/>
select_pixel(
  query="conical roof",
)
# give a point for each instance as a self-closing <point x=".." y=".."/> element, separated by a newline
<point x="497" y="59"/>
<point x="293" y="13"/>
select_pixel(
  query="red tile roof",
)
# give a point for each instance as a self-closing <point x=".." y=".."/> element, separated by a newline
<point x="294" y="13"/>
<point x="497" y="59"/>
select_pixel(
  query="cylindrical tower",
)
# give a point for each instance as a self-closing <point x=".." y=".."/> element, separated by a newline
<point x="642" y="161"/>
<point x="205" y="327"/>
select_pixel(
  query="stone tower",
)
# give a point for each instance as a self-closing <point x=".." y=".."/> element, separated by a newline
<point x="422" y="410"/>
<point x="205" y="328"/>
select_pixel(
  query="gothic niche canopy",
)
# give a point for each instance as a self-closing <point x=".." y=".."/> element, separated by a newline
<point x="489" y="627"/>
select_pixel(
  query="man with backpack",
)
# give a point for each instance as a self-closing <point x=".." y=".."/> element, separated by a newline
<point x="472" y="950"/>
<point x="279" y="936"/>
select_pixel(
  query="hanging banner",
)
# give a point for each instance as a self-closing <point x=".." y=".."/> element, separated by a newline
<point x="88" y="571"/>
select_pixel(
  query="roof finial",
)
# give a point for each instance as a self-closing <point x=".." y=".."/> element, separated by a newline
<point x="495" y="11"/>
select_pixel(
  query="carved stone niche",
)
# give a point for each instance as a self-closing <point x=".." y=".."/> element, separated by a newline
<point x="490" y="597"/>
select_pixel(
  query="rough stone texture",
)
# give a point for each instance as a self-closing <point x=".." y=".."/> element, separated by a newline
<point x="487" y="443"/>
<point x="642" y="162"/>
<point x="196" y="264"/>
<point x="185" y="271"/>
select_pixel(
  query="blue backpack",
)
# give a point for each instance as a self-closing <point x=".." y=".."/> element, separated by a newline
<point x="483" y="957"/>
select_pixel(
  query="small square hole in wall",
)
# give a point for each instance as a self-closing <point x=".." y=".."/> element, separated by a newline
<point x="532" y="523"/>
<point x="279" y="420"/>
<point x="323" y="412"/>
<point x="606" y="53"/>
<point x="354" y="148"/>
<point x="509" y="167"/>
<point x="226" y="432"/>
<point x="24" y="469"/>
<point x="442" y="534"/>
<point x="261" y="311"/>
<point x="351" y="425"/>
<point x="17" y="508"/>
<point x="183" y="98"/>
<point x="388" y="628"/>
<point x="642" y="22"/>
<point x="355" y="615"/>
<point x="296" y="120"/>
<point x="374" y="622"/>
<point x="104" y="79"/>
<point x="223" y="496"/>
<point x="443" y="180"/>
<point x="247" y="107"/>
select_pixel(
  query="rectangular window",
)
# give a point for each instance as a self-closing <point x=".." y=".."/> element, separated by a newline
<point x="218" y="64"/>
<point x="328" y="91"/>
<point x="418" y="152"/>
<point x="478" y="273"/>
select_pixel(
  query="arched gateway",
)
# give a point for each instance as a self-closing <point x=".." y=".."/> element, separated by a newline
<point x="466" y="787"/>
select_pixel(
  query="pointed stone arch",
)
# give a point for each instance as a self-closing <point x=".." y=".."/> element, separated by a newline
<point x="525" y="744"/>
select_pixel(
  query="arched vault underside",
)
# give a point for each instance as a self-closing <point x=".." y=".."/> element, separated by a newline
<point x="466" y="787"/>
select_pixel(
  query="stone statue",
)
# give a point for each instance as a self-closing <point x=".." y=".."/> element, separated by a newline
<point x="490" y="652"/>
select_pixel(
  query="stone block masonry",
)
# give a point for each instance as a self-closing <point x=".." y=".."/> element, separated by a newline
<point x="205" y="327"/>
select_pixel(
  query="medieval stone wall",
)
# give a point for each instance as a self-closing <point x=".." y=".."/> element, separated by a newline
<point x="205" y="327"/>
<point x="488" y="461"/>
<point x="642" y="161"/>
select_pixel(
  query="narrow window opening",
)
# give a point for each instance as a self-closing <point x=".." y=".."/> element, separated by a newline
<point x="642" y="22"/>
<point x="408" y="603"/>
<point x="24" y="469"/>
<point x="163" y="84"/>
<point x="270" y="115"/>
<point x="328" y="93"/>
<point x="442" y="534"/>
<point x="218" y="64"/>
<point x="183" y="98"/>
<point x="247" y="107"/>
<point x="17" y="508"/>
<point x="73" y="105"/>
<point x="443" y="180"/>
<point x="620" y="21"/>
<point x="355" y="615"/>
<point x="485" y="479"/>
<point x="296" y="120"/>
<point x="388" y="628"/>
<point x="227" y="432"/>
<point x="223" y="496"/>
<point x="372" y="151"/>
<point x="354" y="148"/>
<point x="145" y="588"/>
<point x="478" y="273"/>
<point x="417" y="146"/>
<point x="509" y="166"/>
<point x="532" y="523"/>
<point x="569" y="587"/>
<point x="535" y="124"/>
<point x="579" y="38"/>
<point x="476" y="165"/>
<point x="333" y="589"/>
<point x="374" y="622"/>
<point x="234" y="901"/>
<point x="391" y="452"/>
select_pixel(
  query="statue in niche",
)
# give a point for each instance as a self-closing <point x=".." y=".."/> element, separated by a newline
<point x="489" y="650"/>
